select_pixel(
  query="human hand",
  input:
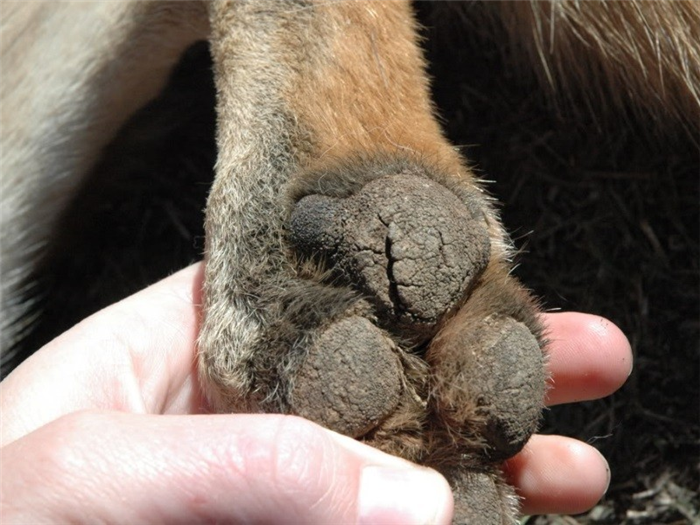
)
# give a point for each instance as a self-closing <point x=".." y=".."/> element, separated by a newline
<point x="107" y="423"/>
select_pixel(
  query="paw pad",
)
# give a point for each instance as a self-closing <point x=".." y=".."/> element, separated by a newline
<point x="406" y="242"/>
<point x="500" y="369"/>
<point x="332" y="385"/>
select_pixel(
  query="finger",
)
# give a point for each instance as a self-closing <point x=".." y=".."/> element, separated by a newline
<point x="589" y="357"/>
<point x="137" y="355"/>
<point x="125" y="468"/>
<point x="558" y="475"/>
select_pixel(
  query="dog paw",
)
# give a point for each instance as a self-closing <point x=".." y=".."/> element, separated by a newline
<point x="392" y="320"/>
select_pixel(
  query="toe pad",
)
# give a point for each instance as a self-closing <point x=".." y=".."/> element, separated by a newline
<point x="350" y="380"/>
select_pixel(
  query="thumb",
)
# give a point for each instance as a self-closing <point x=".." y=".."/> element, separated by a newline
<point x="109" y="467"/>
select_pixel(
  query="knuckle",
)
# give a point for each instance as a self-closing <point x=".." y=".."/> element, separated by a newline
<point x="298" y="458"/>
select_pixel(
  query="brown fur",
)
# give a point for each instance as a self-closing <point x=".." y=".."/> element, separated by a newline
<point x="607" y="60"/>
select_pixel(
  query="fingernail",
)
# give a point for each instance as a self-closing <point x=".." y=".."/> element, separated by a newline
<point x="411" y="496"/>
<point x="607" y="469"/>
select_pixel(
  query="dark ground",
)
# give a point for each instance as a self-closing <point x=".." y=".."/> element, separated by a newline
<point x="606" y="219"/>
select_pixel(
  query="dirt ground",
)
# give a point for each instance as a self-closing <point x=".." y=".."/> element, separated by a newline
<point x="606" y="219"/>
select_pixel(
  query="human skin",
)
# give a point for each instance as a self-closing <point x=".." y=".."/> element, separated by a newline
<point x="108" y="423"/>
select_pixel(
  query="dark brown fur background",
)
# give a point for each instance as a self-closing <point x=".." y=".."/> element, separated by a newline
<point x="605" y="212"/>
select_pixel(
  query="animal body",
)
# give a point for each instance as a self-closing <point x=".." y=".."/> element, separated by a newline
<point x="356" y="271"/>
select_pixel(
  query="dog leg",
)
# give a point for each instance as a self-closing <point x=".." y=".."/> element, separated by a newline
<point x="356" y="273"/>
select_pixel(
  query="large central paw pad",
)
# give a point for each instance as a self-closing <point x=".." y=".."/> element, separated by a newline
<point x="406" y="242"/>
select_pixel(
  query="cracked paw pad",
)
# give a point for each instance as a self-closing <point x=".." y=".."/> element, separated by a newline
<point x="405" y="241"/>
